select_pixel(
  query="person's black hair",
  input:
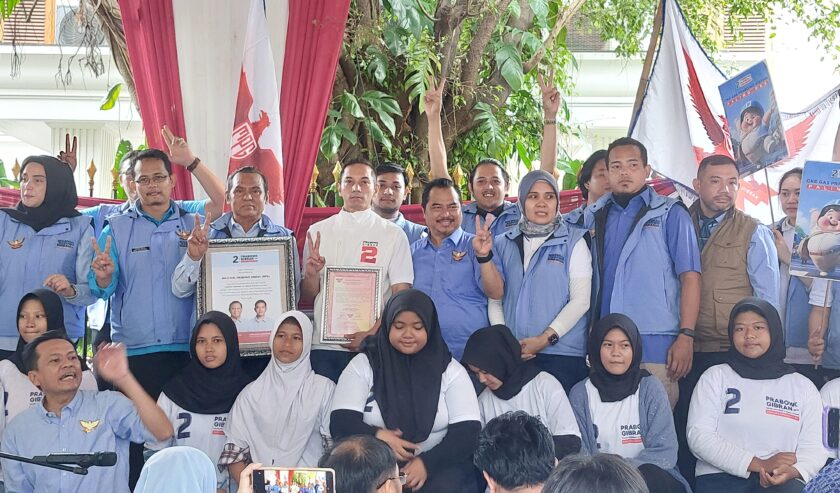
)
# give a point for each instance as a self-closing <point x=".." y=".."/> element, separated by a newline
<point x="247" y="169"/>
<point x="30" y="352"/>
<point x="357" y="160"/>
<point x="604" y="473"/>
<point x="437" y="183"/>
<point x="389" y="167"/>
<point x="361" y="463"/>
<point x="627" y="141"/>
<point x="516" y="450"/>
<point x="715" y="160"/>
<point x="585" y="173"/>
<point x="260" y="301"/>
<point x="127" y="163"/>
<point x="152" y="154"/>
<point x="234" y="301"/>
<point x="494" y="162"/>
<point x="788" y="174"/>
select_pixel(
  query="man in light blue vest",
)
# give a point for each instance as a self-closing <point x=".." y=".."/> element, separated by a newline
<point x="648" y="263"/>
<point x="392" y="187"/>
<point x="136" y="258"/>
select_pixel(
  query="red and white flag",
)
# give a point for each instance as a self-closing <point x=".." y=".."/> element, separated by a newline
<point x="256" y="140"/>
<point x="681" y="118"/>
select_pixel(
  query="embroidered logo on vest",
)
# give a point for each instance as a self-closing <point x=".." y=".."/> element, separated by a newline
<point x="458" y="256"/>
<point x="556" y="258"/>
<point x="15" y="244"/>
<point x="65" y="244"/>
<point x="653" y="223"/>
<point x="89" y="426"/>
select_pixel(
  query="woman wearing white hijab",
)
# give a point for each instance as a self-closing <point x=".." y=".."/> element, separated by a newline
<point x="282" y="417"/>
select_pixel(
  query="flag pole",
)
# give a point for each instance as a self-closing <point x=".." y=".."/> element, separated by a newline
<point x="655" y="36"/>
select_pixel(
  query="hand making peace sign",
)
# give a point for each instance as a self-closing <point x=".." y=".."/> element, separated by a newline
<point x="433" y="99"/>
<point x="483" y="241"/>
<point x="197" y="244"/>
<point x="314" y="262"/>
<point x="550" y="95"/>
<point x="102" y="264"/>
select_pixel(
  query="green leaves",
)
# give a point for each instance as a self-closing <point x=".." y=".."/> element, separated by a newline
<point x="509" y="63"/>
<point x="4" y="181"/>
<point x="6" y="7"/>
<point x="371" y="109"/>
<point x="384" y="106"/>
<point x="111" y="98"/>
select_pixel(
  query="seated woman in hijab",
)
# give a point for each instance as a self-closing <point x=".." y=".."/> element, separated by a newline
<point x="406" y="390"/>
<point x="45" y="242"/>
<point x="547" y="271"/>
<point x="178" y="469"/>
<point x="754" y="423"/>
<point x="283" y="417"/>
<point x="37" y="312"/>
<point x="198" y="400"/>
<point x="494" y="356"/>
<point x="624" y="410"/>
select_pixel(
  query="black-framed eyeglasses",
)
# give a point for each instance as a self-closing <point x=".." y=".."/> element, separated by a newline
<point x="401" y="477"/>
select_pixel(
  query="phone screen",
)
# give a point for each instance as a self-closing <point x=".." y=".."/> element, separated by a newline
<point x="289" y="480"/>
<point x="831" y="428"/>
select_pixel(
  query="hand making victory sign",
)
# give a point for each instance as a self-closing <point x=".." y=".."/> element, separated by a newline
<point x="68" y="155"/>
<point x="197" y="244"/>
<point x="483" y="241"/>
<point x="102" y="264"/>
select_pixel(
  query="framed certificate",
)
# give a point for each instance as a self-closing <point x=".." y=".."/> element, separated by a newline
<point x="253" y="281"/>
<point x="352" y="301"/>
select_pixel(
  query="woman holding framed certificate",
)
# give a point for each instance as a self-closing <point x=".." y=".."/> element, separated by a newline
<point x="406" y="390"/>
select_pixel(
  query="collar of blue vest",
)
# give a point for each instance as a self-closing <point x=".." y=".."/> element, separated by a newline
<point x="561" y="233"/>
<point x="652" y="199"/>
<point x="135" y="210"/>
<point x="472" y="208"/>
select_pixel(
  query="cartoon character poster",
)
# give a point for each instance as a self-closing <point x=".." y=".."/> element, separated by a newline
<point x="818" y="222"/>
<point x="755" y="124"/>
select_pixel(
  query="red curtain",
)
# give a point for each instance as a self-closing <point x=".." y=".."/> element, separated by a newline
<point x="150" y="37"/>
<point x="313" y="43"/>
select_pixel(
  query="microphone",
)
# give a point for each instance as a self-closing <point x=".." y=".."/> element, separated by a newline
<point x="83" y="460"/>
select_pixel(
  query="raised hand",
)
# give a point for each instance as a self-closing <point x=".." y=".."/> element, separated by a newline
<point x="483" y="241"/>
<point x="102" y="264"/>
<point x="68" y="155"/>
<point x="314" y="262"/>
<point x="550" y="95"/>
<point x="179" y="151"/>
<point x="61" y="285"/>
<point x="433" y="98"/>
<point x="111" y="362"/>
<point x="197" y="244"/>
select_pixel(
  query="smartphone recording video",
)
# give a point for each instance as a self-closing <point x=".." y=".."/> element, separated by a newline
<point x="288" y="480"/>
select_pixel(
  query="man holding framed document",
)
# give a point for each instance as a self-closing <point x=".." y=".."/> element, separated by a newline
<point x="355" y="260"/>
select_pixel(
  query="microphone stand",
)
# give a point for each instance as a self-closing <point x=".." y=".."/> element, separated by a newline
<point x="81" y="470"/>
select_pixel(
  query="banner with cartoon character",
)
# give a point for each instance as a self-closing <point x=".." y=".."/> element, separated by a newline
<point x="755" y="124"/>
<point x="818" y="222"/>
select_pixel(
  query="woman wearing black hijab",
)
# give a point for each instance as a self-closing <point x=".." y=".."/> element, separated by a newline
<point x="37" y="312"/>
<point x="493" y="354"/>
<point x="624" y="410"/>
<point x="198" y="400"/>
<point x="754" y="424"/>
<point x="406" y="390"/>
<point x="44" y="241"/>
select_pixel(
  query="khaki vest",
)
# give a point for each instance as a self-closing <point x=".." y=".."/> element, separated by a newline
<point x="725" y="280"/>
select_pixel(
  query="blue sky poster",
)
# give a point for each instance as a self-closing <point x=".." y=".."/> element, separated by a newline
<point x="818" y="222"/>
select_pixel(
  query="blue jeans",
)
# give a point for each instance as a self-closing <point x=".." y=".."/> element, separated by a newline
<point x="569" y="370"/>
<point x="722" y="482"/>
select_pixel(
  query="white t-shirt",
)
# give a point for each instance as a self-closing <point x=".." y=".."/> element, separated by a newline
<point x="617" y="424"/>
<point x="457" y="401"/>
<point x="830" y="394"/>
<point x="19" y="394"/>
<point x="206" y="432"/>
<point x="360" y="239"/>
<point x="733" y="419"/>
<point x="542" y="397"/>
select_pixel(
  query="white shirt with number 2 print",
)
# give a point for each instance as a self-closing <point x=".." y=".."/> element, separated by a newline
<point x="733" y="419"/>
<point x="360" y="239"/>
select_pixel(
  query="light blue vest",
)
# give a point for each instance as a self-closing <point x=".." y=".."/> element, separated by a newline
<point x="144" y="312"/>
<point x="831" y="355"/>
<point x="506" y="220"/>
<point x="533" y="298"/>
<point x="220" y="228"/>
<point x="647" y="289"/>
<point x="53" y="250"/>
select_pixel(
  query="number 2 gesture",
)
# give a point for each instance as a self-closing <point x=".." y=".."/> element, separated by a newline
<point x="102" y="264"/>
<point x="314" y="262"/>
<point x="197" y="244"/>
<point x="483" y="241"/>
<point x="433" y="98"/>
<point x="550" y="95"/>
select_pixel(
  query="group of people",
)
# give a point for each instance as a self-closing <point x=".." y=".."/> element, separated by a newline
<point x="634" y="326"/>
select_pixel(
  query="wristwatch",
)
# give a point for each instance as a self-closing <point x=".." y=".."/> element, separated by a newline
<point x="553" y="338"/>
<point x="688" y="332"/>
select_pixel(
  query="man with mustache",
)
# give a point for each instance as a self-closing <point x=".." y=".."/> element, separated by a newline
<point x="391" y="189"/>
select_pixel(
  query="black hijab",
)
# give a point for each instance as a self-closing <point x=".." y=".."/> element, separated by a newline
<point x="54" y="310"/>
<point x="60" y="199"/>
<point x="613" y="388"/>
<point x="407" y="387"/>
<point x="201" y="390"/>
<point x="495" y="350"/>
<point x="771" y="364"/>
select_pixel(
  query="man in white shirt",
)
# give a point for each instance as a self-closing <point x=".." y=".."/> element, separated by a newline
<point x="355" y="237"/>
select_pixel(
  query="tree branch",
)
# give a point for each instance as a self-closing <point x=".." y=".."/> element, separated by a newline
<point x="561" y="22"/>
<point x="469" y="76"/>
